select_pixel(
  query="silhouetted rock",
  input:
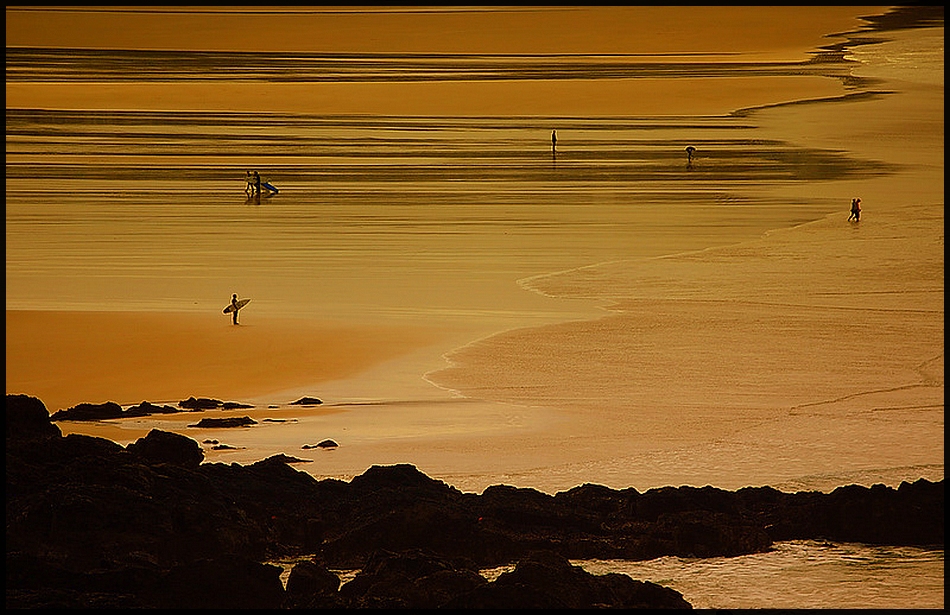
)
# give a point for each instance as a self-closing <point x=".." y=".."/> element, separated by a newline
<point x="222" y="583"/>
<point x="93" y="524"/>
<point x="166" y="447"/>
<point x="28" y="419"/>
<point x="89" y="412"/>
<point x="310" y="577"/>
<point x="546" y="580"/>
<point x="234" y="421"/>
<point x="307" y="401"/>
<point x="147" y="408"/>
<point x="323" y="444"/>
<point x="410" y="579"/>
<point x="200" y="403"/>
<point x="280" y="459"/>
<point x="232" y="405"/>
<point x="111" y="410"/>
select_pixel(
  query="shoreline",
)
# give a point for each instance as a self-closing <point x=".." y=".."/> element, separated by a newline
<point x="164" y="357"/>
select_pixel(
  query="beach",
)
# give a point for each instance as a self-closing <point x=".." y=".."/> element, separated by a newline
<point x="747" y="350"/>
<point x="459" y="296"/>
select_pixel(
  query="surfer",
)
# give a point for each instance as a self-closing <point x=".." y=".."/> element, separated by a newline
<point x="553" y="141"/>
<point x="855" y="210"/>
<point x="689" y="154"/>
<point x="257" y="182"/>
<point x="248" y="184"/>
<point x="234" y="308"/>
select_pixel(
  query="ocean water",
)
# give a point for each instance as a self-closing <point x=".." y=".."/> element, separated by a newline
<point x="125" y="177"/>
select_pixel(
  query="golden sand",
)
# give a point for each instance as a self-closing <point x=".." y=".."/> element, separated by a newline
<point x="65" y="358"/>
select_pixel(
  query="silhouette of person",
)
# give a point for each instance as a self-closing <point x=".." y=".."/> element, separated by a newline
<point x="234" y="307"/>
<point x="249" y="184"/>
<point x="553" y="141"/>
<point x="855" y="210"/>
<point x="257" y="182"/>
<point x="689" y="154"/>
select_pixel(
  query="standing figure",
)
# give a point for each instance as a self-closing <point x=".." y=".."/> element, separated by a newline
<point x="248" y="184"/>
<point x="855" y="210"/>
<point x="553" y="141"/>
<point x="257" y="183"/>
<point x="689" y="154"/>
<point x="234" y="308"/>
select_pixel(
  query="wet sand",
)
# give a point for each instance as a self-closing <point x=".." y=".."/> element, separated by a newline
<point x="65" y="358"/>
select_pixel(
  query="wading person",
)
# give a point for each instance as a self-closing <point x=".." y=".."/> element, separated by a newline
<point x="689" y="154"/>
<point x="855" y="210"/>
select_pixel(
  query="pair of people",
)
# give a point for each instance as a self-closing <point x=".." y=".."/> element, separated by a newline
<point x="855" y="210"/>
<point x="253" y="183"/>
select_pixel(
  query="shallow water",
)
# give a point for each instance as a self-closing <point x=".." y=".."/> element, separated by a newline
<point x="800" y="574"/>
<point x="370" y="209"/>
<point x="424" y="189"/>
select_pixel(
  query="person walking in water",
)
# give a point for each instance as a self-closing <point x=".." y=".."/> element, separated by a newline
<point x="689" y="154"/>
<point x="257" y="183"/>
<point x="553" y="141"/>
<point x="248" y="184"/>
<point x="855" y="210"/>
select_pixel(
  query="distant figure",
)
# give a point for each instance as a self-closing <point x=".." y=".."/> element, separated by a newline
<point x="257" y="182"/>
<point x="234" y="308"/>
<point x="553" y="141"/>
<point x="249" y="184"/>
<point x="855" y="210"/>
<point x="689" y="154"/>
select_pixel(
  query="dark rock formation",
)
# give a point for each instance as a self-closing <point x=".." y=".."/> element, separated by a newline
<point x="147" y="408"/>
<point x="546" y="580"/>
<point x="306" y="401"/>
<point x="111" y="410"/>
<point x="410" y="579"/>
<point x="28" y="420"/>
<point x="89" y="412"/>
<point x="223" y="583"/>
<point x="200" y="403"/>
<point x="234" y="421"/>
<point x="312" y="586"/>
<point x="323" y="444"/>
<point x="281" y="459"/>
<point x="165" y="447"/>
<point x="205" y="403"/>
<point x="93" y="524"/>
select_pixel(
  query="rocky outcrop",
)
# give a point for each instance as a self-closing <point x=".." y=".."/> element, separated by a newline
<point x="93" y="524"/>
<point x="90" y="412"/>
<point x="205" y="403"/>
<point x="234" y="421"/>
<point x="28" y="420"/>
<point x="165" y="447"/>
<point x="322" y="444"/>
<point x="111" y="410"/>
<point x="546" y="580"/>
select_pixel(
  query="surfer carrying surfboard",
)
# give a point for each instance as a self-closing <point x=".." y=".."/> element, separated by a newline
<point x="235" y="306"/>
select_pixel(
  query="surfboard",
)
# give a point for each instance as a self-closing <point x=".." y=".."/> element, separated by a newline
<point x="241" y="303"/>
<point x="270" y="187"/>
